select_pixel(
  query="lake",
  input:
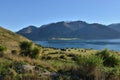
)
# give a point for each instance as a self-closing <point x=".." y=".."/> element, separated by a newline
<point x="112" y="44"/>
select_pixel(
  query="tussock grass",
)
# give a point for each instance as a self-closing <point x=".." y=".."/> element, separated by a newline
<point x="17" y="58"/>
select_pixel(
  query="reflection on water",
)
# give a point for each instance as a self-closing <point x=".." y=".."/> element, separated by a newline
<point x="113" y="44"/>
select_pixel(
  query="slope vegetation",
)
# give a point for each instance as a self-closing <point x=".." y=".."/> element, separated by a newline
<point x="10" y="40"/>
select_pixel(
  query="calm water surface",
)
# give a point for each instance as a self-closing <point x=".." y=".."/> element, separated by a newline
<point x="112" y="44"/>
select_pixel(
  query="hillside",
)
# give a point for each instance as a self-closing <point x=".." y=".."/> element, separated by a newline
<point x="10" y="40"/>
<point x="73" y="29"/>
<point x="96" y="31"/>
<point x="115" y="26"/>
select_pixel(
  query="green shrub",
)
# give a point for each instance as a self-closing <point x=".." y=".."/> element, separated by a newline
<point x="35" y="52"/>
<point x="4" y="69"/>
<point x="89" y="60"/>
<point x="89" y="66"/>
<point x="112" y="73"/>
<point x="27" y="49"/>
<point x="110" y="58"/>
<point x="2" y="50"/>
<point x="25" y="45"/>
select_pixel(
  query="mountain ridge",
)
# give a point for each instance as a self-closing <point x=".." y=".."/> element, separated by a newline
<point x="73" y="29"/>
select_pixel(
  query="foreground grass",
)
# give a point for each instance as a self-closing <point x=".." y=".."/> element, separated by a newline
<point x="62" y="64"/>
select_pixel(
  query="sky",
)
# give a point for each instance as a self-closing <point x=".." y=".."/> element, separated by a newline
<point x="17" y="14"/>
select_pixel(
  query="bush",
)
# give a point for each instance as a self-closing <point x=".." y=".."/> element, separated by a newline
<point x="2" y="50"/>
<point x="89" y="66"/>
<point x="89" y="60"/>
<point x="4" y="69"/>
<point x="110" y="58"/>
<point x="35" y="52"/>
<point x="25" y="45"/>
<point x="112" y="73"/>
<point x="28" y="50"/>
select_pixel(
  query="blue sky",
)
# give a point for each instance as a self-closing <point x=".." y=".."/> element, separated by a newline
<point x="16" y="14"/>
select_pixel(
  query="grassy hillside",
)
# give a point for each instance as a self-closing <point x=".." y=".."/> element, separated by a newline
<point x="10" y="39"/>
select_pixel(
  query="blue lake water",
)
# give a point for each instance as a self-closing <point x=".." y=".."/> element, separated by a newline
<point x="112" y="44"/>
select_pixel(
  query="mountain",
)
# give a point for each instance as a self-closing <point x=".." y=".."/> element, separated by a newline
<point x="73" y="29"/>
<point x="115" y="26"/>
<point x="10" y="39"/>
<point x="29" y="32"/>
<point x="96" y="31"/>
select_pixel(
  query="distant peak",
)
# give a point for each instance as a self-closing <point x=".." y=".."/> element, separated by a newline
<point x="28" y="29"/>
<point x="31" y="26"/>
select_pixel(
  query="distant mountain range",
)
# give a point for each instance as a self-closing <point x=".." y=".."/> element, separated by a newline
<point x="73" y="29"/>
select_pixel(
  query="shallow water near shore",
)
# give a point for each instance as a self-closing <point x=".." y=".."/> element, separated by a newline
<point x="112" y="44"/>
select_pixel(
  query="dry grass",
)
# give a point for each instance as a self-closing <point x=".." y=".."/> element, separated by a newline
<point x="30" y="61"/>
<point x="10" y="39"/>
